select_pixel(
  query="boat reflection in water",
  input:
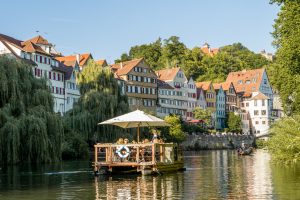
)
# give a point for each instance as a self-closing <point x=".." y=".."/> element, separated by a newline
<point x="140" y="187"/>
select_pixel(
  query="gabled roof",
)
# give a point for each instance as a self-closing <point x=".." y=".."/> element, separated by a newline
<point x="259" y="96"/>
<point x="226" y="85"/>
<point x="39" y="40"/>
<point x="246" y="80"/>
<point x="167" y="74"/>
<point x="125" y="67"/>
<point x="30" y="47"/>
<point x="101" y="62"/>
<point x="203" y="85"/>
<point x="163" y="85"/>
<point x="217" y="86"/>
<point x="10" y="40"/>
<point x="72" y="58"/>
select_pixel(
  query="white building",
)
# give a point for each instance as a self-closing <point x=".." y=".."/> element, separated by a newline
<point x="257" y="106"/>
<point x="201" y="100"/>
<point x="173" y="92"/>
<point x="40" y="54"/>
<point x="192" y="99"/>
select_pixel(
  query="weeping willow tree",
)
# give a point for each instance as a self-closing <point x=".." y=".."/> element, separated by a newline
<point x="29" y="129"/>
<point x="101" y="99"/>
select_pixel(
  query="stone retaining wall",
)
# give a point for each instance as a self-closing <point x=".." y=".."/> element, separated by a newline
<point x="206" y="142"/>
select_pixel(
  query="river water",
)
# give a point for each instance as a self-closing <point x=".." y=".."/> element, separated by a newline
<point x="209" y="175"/>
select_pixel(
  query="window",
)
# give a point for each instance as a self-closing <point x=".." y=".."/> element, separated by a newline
<point x="263" y="102"/>
<point x="247" y="104"/>
<point x="68" y="100"/>
<point x="240" y="81"/>
<point x="248" y="81"/>
<point x="54" y="76"/>
<point x="265" y="81"/>
<point x="58" y="77"/>
<point x="49" y="75"/>
<point x="256" y="122"/>
<point x="255" y="112"/>
<point x="263" y="112"/>
<point x="41" y="59"/>
<point x="263" y="122"/>
<point x="255" y="102"/>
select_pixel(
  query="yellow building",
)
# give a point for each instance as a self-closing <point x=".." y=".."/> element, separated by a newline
<point x="140" y="84"/>
<point x="210" y="94"/>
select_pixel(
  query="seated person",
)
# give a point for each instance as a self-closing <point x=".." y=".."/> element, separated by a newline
<point x="120" y="141"/>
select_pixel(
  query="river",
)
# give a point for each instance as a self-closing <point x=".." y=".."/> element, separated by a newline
<point x="209" y="175"/>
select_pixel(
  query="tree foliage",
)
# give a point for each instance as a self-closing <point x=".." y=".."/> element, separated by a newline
<point x="203" y="114"/>
<point x="284" y="143"/>
<point x="172" y="52"/>
<point x="101" y="99"/>
<point x="234" y="123"/>
<point x="29" y="129"/>
<point x="173" y="133"/>
<point x="286" y="70"/>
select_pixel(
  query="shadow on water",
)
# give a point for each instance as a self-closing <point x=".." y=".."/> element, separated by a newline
<point x="209" y="175"/>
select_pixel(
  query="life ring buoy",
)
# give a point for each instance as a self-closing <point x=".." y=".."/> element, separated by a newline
<point x="123" y="151"/>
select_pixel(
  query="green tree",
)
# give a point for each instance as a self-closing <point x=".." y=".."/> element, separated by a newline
<point x="101" y="99"/>
<point x="234" y="122"/>
<point x="29" y="129"/>
<point x="174" y="133"/>
<point x="150" y="52"/>
<point x="284" y="143"/>
<point x="203" y="114"/>
<point x="286" y="77"/>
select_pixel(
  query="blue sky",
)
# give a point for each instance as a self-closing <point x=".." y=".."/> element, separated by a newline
<point x="109" y="28"/>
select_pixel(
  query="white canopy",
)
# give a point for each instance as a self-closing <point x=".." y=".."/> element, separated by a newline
<point x="135" y="119"/>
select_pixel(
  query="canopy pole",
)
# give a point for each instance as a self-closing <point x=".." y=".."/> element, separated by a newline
<point x="138" y="134"/>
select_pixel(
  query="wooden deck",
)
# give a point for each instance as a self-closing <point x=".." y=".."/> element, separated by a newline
<point x="150" y="157"/>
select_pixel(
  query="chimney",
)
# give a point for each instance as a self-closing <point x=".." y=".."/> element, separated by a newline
<point x="121" y="65"/>
<point x="78" y="58"/>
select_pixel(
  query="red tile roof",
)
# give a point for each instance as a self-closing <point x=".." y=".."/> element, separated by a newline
<point x="167" y="74"/>
<point x="39" y="40"/>
<point x="125" y="67"/>
<point x="72" y="58"/>
<point x="203" y="85"/>
<point x="209" y="51"/>
<point x="101" y="62"/>
<point x="246" y="80"/>
<point x="28" y="46"/>
<point x="217" y="86"/>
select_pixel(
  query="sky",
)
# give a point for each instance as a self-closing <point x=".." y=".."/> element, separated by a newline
<point x="109" y="28"/>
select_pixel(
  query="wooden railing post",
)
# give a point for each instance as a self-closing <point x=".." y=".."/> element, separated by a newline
<point x="96" y="157"/>
<point x="137" y="154"/>
<point x="161" y="153"/>
<point x="153" y="153"/>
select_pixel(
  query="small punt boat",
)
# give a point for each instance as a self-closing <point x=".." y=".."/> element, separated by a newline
<point x="245" y="151"/>
<point x="143" y="158"/>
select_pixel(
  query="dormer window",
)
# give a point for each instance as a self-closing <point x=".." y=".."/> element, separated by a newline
<point x="248" y="81"/>
<point x="240" y="82"/>
<point x="265" y="81"/>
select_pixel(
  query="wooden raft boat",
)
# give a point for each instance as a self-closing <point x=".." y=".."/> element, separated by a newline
<point x="148" y="158"/>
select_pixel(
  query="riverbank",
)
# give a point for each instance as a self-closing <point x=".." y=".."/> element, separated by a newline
<point x="214" y="142"/>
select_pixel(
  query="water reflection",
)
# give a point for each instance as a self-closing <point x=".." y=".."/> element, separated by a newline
<point x="141" y="187"/>
<point x="209" y="175"/>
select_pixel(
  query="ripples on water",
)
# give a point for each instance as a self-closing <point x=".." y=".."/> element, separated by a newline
<point x="208" y="175"/>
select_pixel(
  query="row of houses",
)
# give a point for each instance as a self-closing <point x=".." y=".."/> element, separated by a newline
<point x="162" y="92"/>
<point x="247" y="93"/>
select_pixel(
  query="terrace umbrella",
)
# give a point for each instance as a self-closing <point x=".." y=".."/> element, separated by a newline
<point x="135" y="119"/>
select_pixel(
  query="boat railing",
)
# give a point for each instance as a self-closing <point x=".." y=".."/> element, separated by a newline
<point x="136" y="154"/>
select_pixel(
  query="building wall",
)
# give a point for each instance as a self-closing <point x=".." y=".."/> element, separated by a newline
<point x="192" y="99"/>
<point x="141" y="94"/>
<point x="201" y="101"/>
<point x="231" y="99"/>
<point x="170" y="101"/>
<point x="259" y="115"/>
<point x="220" y="110"/>
<point x="72" y="92"/>
<point x="266" y="89"/>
